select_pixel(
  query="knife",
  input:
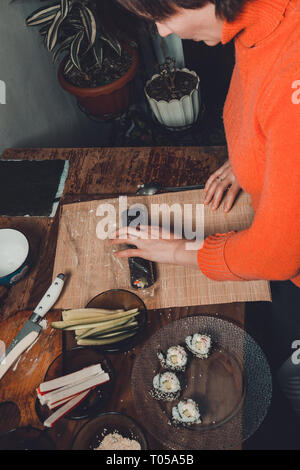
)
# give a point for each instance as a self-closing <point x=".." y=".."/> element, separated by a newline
<point x="31" y="330"/>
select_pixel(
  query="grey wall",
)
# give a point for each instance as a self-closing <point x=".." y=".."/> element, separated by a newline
<point x="37" y="113"/>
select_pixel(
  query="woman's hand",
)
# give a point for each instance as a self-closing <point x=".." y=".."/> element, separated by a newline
<point x="154" y="244"/>
<point x="220" y="181"/>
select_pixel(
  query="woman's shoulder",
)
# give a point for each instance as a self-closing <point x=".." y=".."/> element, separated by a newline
<point x="281" y="91"/>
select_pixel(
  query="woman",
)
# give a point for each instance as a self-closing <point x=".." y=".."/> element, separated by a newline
<point x="262" y="124"/>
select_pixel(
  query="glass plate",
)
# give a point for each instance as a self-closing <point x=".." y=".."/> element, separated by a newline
<point x="233" y="387"/>
<point x="121" y="298"/>
<point x="92" y="433"/>
<point x="215" y="383"/>
<point x="72" y="361"/>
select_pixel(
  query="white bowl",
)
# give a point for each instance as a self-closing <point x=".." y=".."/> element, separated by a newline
<point x="14" y="254"/>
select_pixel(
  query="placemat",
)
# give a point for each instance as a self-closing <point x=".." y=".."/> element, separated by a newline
<point x="93" y="269"/>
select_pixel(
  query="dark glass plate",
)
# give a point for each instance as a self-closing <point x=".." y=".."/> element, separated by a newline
<point x="233" y="387"/>
<point x="117" y="299"/>
<point x="72" y="361"/>
<point x="216" y="384"/>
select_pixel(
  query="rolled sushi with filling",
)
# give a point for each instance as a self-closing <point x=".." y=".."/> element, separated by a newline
<point x="199" y="345"/>
<point x="175" y="359"/>
<point x="186" y="413"/>
<point x="166" y="386"/>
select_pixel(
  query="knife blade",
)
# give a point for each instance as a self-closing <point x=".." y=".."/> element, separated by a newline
<point x="31" y="329"/>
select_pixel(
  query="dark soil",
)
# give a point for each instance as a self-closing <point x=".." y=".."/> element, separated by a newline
<point x="184" y="84"/>
<point x="112" y="68"/>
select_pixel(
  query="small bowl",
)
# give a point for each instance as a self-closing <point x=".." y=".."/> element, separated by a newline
<point x="117" y="299"/>
<point x="92" y="433"/>
<point x="71" y="361"/>
<point x="14" y="256"/>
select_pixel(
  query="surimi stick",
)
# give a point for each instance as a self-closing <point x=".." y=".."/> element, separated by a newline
<point x="67" y="391"/>
<point x="70" y="391"/>
<point x="69" y="379"/>
<point x="63" y="410"/>
<point x="52" y="406"/>
<point x="47" y="397"/>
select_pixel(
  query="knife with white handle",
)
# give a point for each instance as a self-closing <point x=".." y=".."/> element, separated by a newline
<point x="31" y="330"/>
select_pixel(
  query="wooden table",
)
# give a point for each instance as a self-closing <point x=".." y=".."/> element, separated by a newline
<point x="95" y="174"/>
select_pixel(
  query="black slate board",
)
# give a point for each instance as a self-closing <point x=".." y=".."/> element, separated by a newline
<point x="29" y="187"/>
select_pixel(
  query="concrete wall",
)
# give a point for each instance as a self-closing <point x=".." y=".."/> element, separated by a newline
<point x="37" y="113"/>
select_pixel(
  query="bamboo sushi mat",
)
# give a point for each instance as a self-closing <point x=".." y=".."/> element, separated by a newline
<point x="93" y="269"/>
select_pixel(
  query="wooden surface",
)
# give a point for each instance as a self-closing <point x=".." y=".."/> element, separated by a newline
<point x="21" y="380"/>
<point x="95" y="172"/>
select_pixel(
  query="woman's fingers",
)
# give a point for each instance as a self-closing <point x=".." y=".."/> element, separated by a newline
<point x="220" y="173"/>
<point x="130" y="238"/>
<point x="216" y="191"/>
<point x="231" y="196"/>
<point x="221" y="181"/>
<point x="224" y="180"/>
<point x="145" y="232"/>
<point x="129" y="232"/>
<point x="210" y="192"/>
<point x="129" y="253"/>
<point x="122" y="241"/>
<point x="218" y="194"/>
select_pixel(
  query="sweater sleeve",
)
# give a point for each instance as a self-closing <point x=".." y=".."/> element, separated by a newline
<point x="270" y="248"/>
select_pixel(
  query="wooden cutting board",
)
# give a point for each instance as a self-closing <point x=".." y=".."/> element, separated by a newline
<point x="19" y="384"/>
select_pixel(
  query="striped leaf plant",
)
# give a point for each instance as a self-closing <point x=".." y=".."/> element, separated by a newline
<point x="73" y="29"/>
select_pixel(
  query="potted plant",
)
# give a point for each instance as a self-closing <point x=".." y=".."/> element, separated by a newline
<point x="96" y="66"/>
<point x="174" y="95"/>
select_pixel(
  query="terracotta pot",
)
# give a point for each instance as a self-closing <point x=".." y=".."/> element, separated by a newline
<point x="105" y="101"/>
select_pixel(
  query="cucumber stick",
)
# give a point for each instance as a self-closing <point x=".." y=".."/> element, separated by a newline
<point x="81" y="313"/>
<point x="114" y="335"/>
<point x="100" y="342"/>
<point x="100" y="330"/>
<point x="99" y="318"/>
<point x="82" y="331"/>
<point x="92" y="322"/>
<point x="117" y="330"/>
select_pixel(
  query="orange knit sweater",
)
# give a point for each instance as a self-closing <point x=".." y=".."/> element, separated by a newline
<point x="262" y="124"/>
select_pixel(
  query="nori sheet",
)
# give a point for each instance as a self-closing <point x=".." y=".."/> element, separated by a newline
<point x="29" y="187"/>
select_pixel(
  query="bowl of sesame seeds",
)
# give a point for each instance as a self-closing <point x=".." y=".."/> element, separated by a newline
<point x="111" y="431"/>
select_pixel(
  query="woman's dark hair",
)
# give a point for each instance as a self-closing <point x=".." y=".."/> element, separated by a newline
<point x="159" y="10"/>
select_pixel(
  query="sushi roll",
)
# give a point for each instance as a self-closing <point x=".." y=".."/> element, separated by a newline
<point x="186" y="413"/>
<point x="142" y="272"/>
<point x="175" y="358"/>
<point x="166" y="386"/>
<point x="199" y="345"/>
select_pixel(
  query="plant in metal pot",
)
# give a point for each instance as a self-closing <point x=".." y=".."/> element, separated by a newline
<point x="97" y="66"/>
<point x="174" y="95"/>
